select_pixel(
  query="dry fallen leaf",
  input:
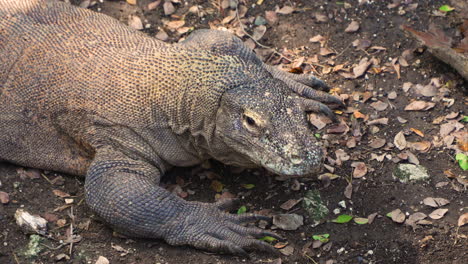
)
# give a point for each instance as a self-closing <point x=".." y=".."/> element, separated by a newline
<point x="419" y="106"/>
<point x="377" y="143"/>
<point x="398" y="216"/>
<point x="362" y="67"/>
<point x="271" y="17"/>
<point x="135" y="22"/>
<point x="326" y="51"/>
<point x="417" y="132"/>
<point x="422" y="146"/>
<point x="285" y="10"/>
<point x="435" y="202"/>
<point x="258" y="32"/>
<point x="400" y="141"/>
<point x="352" y="27"/>
<point x="169" y="8"/>
<point x="174" y="25"/>
<point x="360" y="169"/>
<point x="463" y="219"/>
<point x="4" y="197"/>
<point x="60" y="193"/>
<point x="102" y="260"/>
<point x="438" y="213"/>
<point x="379" y="105"/>
<point x="289" y="204"/>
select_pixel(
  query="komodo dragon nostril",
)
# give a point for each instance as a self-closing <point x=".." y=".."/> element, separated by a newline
<point x="296" y="159"/>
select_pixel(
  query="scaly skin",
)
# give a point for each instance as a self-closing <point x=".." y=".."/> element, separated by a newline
<point x="80" y="93"/>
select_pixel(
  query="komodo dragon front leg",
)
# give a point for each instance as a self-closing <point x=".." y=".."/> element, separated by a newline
<point x="138" y="206"/>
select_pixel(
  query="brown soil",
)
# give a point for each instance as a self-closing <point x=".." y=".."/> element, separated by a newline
<point x="383" y="241"/>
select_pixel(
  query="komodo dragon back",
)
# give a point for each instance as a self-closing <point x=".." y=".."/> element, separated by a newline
<point x="83" y="94"/>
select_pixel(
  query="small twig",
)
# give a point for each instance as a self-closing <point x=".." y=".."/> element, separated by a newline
<point x="16" y="258"/>
<point x="309" y="257"/>
<point x="341" y="53"/>
<point x="72" y="218"/>
<point x="47" y="179"/>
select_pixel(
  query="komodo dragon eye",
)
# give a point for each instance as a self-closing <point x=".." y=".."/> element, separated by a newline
<point x="253" y="122"/>
<point x="250" y="121"/>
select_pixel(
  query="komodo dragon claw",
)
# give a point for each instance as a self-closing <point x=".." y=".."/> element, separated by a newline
<point x="208" y="227"/>
<point x="304" y="85"/>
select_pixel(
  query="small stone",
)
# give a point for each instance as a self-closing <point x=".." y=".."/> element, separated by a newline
<point x="288" y="221"/>
<point x="259" y="20"/>
<point x="410" y="173"/>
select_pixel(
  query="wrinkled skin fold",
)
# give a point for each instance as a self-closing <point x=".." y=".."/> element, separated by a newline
<point x="80" y="93"/>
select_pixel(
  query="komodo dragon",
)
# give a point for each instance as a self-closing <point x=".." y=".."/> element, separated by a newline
<point x="83" y="94"/>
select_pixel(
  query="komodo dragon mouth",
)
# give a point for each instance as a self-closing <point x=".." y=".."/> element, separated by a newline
<point x="70" y="77"/>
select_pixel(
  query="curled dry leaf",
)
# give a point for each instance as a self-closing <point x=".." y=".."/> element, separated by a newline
<point x="60" y="193"/>
<point x="379" y="105"/>
<point x="321" y="17"/>
<point x="400" y="141"/>
<point x="341" y="156"/>
<point x="271" y="17"/>
<point x="317" y="121"/>
<point x="379" y="121"/>
<point x="463" y="219"/>
<point x="326" y="51"/>
<point x="360" y="169"/>
<point x="419" y="106"/>
<point x="174" y="25"/>
<point x="417" y="132"/>
<point x="135" y="22"/>
<point x="362" y="67"/>
<point x="154" y="5"/>
<point x="162" y="35"/>
<point x="371" y="218"/>
<point x="4" y="197"/>
<point x="259" y="32"/>
<point x="285" y="10"/>
<point x="435" y="202"/>
<point x="438" y="213"/>
<point x="317" y="38"/>
<point x="169" y="8"/>
<point x="377" y="143"/>
<point x="352" y="27"/>
<point x="102" y="260"/>
<point x="290" y="204"/>
<point x="392" y="95"/>
<point x="398" y="216"/>
<point x="348" y="192"/>
<point x="422" y="146"/>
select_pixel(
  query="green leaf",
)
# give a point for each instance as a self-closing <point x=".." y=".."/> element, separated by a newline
<point x="268" y="239"/>
<point x="341" y="219"/>
<point x="462" y="160"/>
<point x="389" y="215"/>
<point x="465" y="119"/>
<point x="317" y="135"/>
<point x="242" y="210"/>
<point x="322" y="238"/>
<point x="248" y="186"/>
<point x="446" y="8"/>
<point x="340" y="3"/>
<point x="361" y="220"/>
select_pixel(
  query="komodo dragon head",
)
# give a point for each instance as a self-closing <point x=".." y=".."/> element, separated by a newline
<point x="261" y="119"/>
<point x="268" y="126"/>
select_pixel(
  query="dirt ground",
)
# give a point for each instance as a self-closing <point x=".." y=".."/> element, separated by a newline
<point x="383" y="240"/>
